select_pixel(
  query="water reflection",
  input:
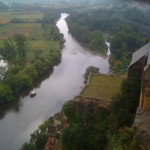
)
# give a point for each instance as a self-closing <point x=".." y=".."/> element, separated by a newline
<point x="16" y="105"/>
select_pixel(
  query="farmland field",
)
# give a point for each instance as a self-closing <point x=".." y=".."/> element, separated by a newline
<point x="34" y="32"/>
<point x="6" y="17"/>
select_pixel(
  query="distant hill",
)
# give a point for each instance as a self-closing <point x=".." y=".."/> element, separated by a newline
<point x="26" y="1"/>
<point x="144" y="1"/>
<point x="3" y="6"/>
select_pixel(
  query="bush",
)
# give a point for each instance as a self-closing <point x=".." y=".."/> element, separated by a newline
<point x="90" y="70"/>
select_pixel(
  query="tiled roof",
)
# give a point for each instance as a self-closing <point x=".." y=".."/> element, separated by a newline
<point x="51" y="144"/>
<point x="145" y="50"/>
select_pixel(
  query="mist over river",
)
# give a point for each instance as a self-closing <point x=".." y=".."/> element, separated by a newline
<point x="19" y="119"/>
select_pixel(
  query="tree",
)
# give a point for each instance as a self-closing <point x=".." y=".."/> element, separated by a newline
<point x="28" y="146"/>
<point x="6" y="94"/>
<point x="41" y="141"/>
<point x="20" y="43"/>
<point x="89" y="70"/>
<point x="31" y="72"/>
<point x="9" y="51"/>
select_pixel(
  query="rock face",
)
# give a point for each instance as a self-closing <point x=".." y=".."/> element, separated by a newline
<point x="94" y="102"/>
<point x="59" y="122"/>
<point x="142" y="128"/>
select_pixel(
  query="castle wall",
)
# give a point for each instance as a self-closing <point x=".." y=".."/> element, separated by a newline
<point x="146" y="89"/>
<point x="136" y="69"/>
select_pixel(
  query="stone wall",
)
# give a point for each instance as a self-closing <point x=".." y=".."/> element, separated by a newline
<point x="142" y="126"/>
<point x="146" y="90"/>
<point x="97" y="102"/>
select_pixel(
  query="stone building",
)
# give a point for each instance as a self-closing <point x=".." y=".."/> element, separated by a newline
<point x="140" y="66"/>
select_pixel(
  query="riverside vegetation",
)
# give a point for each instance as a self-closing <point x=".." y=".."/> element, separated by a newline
<point x="92" y="127"/>
<point x="31" y="47"/>
<point x="124" y="26"/>
<point x="88" y="128"/>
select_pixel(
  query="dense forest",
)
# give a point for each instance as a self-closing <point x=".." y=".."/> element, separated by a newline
<point x="126" y="28"/>
<point x="93" y="39"/>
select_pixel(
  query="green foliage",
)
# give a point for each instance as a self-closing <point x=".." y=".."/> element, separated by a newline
<point x="123" y="44"/>
<point x="69" y="111"/>
<point x="44" y="125"/>
<point x="18" y="78"/>
<point x="91" y="128"/>
<point x="87" y="127"/>
<point x="129" y="97"/>
<point x="9" y="51"/>
<point x="128" y="28"/>
<point x="50" y="16"/>
<point x="6" y="94"/>
<point x="26" y="65"/>
<point x="17" y="20"/>
<point x="31" y="72"/>
<point x="93" y="39"/>
<point x="37" y="142"/>
<point x="90" y="69"/>
<point x="40" y="141"/>
<point x="122" y="140"/>
<point x="97" y="42"/>
<point x="20" y="43"/>
<point x="14" y="49"/>
<point x="28" y="146"/>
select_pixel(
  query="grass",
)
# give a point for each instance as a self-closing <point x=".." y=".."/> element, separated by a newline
<point x="37" y="32"/>
<point x="42" y="44"/>
<point x="36" y="40"/>
<point x="11" y="26"/>
<point x="103" y="86"/>
<point x="1" y="43"/>
<point x="39" y="43"/>
<point x="107" y="36"/>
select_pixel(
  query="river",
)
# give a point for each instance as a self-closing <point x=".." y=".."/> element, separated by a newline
<point x="21" y="118"/>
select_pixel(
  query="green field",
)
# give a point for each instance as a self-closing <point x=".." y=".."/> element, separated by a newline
<point x="6" y="17"/>
<point x="103" y="86"/>
<point x="42" y="46"/>
<point x="36" y="41"/>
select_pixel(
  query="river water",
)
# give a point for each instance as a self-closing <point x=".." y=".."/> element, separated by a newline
<point x="21" y="118"/>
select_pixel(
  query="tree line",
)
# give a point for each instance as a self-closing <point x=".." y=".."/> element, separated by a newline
<point x="92" y="39"/>
<point x="126" y="29"/>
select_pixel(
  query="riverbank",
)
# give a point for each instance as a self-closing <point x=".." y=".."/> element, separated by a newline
<point x="55" y="126"/>
<point x="91" y="39"/>
<point x="66" y="80"/>
<point x="40" y="52"/>
<point x="104" y="122"/>
<point x="49" y="133"/>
